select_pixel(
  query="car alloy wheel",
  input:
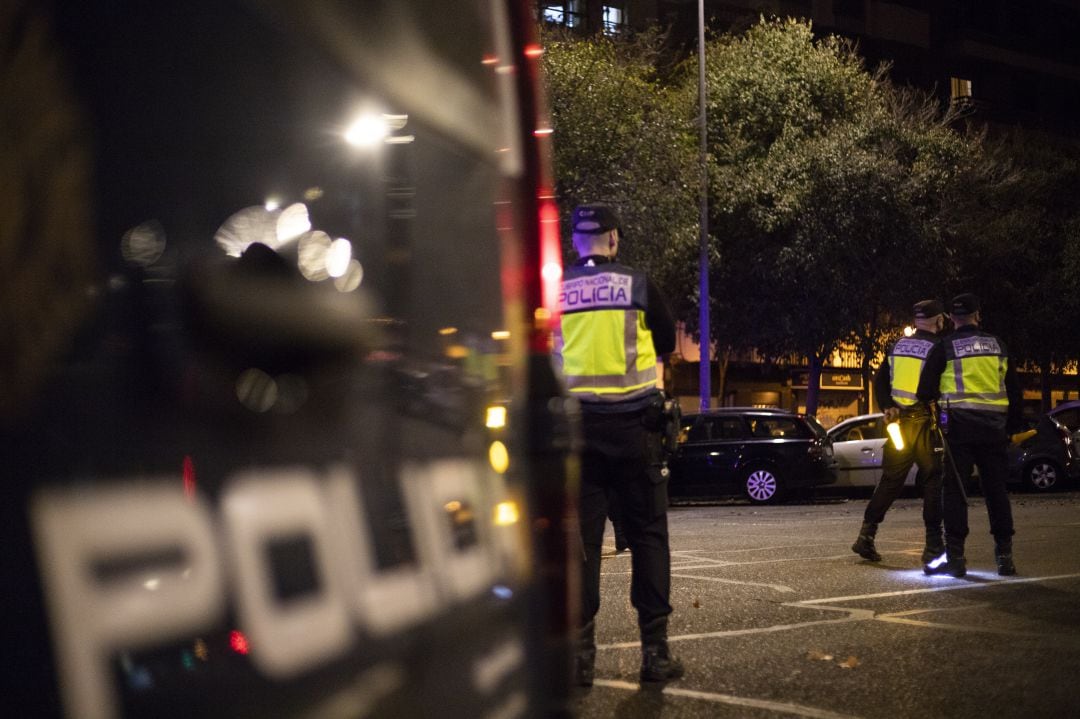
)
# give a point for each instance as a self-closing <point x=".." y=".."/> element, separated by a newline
<point x="761" y="485"/>
<point x="1042" y="476"/>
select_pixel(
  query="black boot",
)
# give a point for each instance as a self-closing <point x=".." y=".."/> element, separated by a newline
<point x="954" y="563"/>
<point x="621" y="543"/>
<point x="864" y="545"/>
<point x="935" y="546"/>
<point x="657" y="664"/>
<point x="585" y="659"/>
<point x="1003" y="555"/>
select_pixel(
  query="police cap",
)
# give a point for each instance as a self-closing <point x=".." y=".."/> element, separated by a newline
<point x="926" y="309"/>
<point x="965" y="304"/>
<point x="594" y="219"/>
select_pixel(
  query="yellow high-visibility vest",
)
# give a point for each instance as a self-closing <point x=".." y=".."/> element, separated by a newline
<point x="603" y="347"/>
<point x="974" y="376"/>
<point x="906" y="360"/>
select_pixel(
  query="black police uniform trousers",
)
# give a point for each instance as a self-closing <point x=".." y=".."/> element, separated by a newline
<point x="992" y="459"/>
<point x="920" y="448"/>
<point x="622" y="461"/>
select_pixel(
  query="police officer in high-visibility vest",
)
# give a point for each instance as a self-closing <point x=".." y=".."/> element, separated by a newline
<point x="981" y="400"/>
<point x="905" y="392"/>
<point x="614" y="324"/>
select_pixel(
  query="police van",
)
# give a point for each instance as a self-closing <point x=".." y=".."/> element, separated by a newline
<point x="280" y="434"/>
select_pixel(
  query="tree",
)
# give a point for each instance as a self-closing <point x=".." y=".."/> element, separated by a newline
<point x="623" y="135"/>
<point x="1021" y="253"/>
<point x="825" y="193"/>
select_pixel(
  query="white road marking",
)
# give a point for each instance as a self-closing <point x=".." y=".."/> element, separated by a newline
<point x="937" y="610"/>
<point x="961" y="627"/>
<point x="849" y="555"/>
<point x="777" y="587"/>
<point x="682" y="556"/>
<point x="928" y="590"/>
<point x="785" y="708"/>
<point x="781" y="546"/>
<point x="853" y="615"/>
<point x="902" y="618"/>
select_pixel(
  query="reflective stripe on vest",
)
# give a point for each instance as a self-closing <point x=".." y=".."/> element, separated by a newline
<point x="906" y="362"/>
<point x="602" y="346"/>
<point x="974" y="376"/>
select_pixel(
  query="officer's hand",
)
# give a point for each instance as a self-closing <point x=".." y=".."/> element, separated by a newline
<point x="891" y="415"/>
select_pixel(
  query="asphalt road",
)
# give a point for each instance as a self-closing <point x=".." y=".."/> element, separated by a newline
<point x="776" y="617"/>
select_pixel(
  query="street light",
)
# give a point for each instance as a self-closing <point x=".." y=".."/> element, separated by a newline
<point x="703" y="259"/>
<point x="367" y="130"/>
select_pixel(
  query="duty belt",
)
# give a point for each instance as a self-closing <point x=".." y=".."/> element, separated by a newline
<point x="919" y="410"/>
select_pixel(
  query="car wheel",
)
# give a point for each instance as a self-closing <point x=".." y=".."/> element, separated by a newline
<point x="762" y="486"/>
<point x="1042" y="475"/>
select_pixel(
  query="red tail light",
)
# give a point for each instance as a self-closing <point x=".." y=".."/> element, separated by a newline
<point x="238" y="642"/>
<point x="188" y="473"/>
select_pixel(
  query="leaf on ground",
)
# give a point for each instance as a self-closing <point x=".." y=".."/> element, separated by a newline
<point x="818" y="656"/>
<point x="849" y="663"/>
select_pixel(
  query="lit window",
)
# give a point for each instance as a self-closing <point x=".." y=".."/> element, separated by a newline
<point x="961" y="88"/>
<point x="614" y="19"/>
<point x="564" y="13"/>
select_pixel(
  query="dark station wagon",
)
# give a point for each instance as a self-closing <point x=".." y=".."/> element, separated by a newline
<point x="761" y="453"/>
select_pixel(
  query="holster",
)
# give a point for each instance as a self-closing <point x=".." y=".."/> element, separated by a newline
<point x="664" y="417"/>
<point x="658" y="476"/>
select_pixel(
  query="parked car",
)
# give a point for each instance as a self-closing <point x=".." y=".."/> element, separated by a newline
<point x="1042" y="462"/>
<point x="1046" y="461"/>
<point x="760" y="453"/>
<point x="1068" y="414"/>
<point x="858" y="443"/>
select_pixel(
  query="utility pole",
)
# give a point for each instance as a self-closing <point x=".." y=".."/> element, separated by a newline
<point x="703" y="260"/>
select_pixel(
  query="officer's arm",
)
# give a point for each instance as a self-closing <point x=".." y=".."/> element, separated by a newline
<point x="930" y="380"/>
<point x="883" y="386"/>
<point x="660" y="320"/>
<point x="1015" y="393"/>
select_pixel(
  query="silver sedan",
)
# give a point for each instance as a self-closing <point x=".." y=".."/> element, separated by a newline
<point x="857" y="446"/>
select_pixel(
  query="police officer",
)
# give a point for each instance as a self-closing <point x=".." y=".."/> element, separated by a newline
<point x="905" y="391"/>
<point x="614" y="324"/>
<point x="982" y="402"/>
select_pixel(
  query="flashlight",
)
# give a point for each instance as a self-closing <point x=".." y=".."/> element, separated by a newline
<point x="1021" y="437"/>
<point x="893" y="428"/>
<point x="934" y="564"/>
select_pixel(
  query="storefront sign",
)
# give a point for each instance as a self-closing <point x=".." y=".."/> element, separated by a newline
<point x="829" y="380"/>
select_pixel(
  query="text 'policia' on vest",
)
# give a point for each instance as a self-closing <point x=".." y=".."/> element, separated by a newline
<point x="604" y="343"/>
<point x="905" y="364"/>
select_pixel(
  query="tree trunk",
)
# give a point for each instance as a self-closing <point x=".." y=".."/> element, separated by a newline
<point x="867" y="352"/>
<point x="867" y="379"/>
<point x="1045" y="386"/>
<point x="813" y="383"/>
<point x="721" y="380"/>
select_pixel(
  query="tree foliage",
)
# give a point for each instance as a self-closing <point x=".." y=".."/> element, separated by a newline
<point x="1022" y="254"/>
<point x="826" y="192"/>
<point x="836" y="199"/>
<point x="623" y="135"/>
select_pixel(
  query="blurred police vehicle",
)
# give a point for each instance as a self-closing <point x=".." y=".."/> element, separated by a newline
<point x="280" y="436"/>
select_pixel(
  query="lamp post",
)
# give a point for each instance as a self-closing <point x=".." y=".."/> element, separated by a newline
<point x="703" y="259"/>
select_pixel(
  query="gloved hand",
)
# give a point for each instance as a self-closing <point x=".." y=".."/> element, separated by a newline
<point x="891" y="415"/>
